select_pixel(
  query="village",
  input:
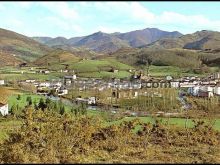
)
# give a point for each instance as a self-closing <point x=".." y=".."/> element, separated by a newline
<point x="119" y="88"/>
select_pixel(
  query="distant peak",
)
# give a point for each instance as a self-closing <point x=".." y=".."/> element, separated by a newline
<point x="99" y="33"/>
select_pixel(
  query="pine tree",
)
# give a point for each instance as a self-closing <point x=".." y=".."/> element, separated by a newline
<point x="13" y="110"/>
<point x="19" y="97"/>
<point x="29" y="100"/>
<point x="62" y="110"/>
<point x="41" y="104"/>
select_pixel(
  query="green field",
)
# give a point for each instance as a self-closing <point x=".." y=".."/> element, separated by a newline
<point x="173" y="121"/>
<point x="179" y="122"/>
<point x="104" y="74"/>
<point x="19" y="76"/>
<point x="162" y="71"/>
<point x="98" y="65"/>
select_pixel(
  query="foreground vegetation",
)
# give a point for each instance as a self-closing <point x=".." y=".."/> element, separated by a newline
<point x="40" y="130"/>
<point x="48" y="137"/>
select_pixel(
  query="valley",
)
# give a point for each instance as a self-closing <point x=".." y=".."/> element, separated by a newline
<point x="122" y="82"/>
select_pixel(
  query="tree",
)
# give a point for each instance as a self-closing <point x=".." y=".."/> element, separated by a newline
<point x="74" y="111"/>
<point x="13" y="110"/>
<point x="29" y="100"/>
<point x="41" y="104"/>
<point x="35" y="105"/>
<point x="83" y="109"/>
<point x="52" y="92"/>
<point x="55" y="107"/>
<point x="48" y="103"/>
<point x="62" y="110"/>
<point x="19" y="97"/>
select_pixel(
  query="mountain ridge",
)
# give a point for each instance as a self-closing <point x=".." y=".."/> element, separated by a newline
<point x="110" y="42"/>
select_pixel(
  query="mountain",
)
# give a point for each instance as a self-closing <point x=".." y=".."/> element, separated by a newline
<point x="57" y="41"/>
<point x="22" y="46"/>
<point x="42" y="40"/>
<point x="142" y="37"/>
<point x="108" y="43"/>
<point x="201" y="40"/>
<point x="101" y="42"/>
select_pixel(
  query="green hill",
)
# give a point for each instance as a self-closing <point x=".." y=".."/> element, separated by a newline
<point x="23" y="47"/>
<point x="56" y="59"/>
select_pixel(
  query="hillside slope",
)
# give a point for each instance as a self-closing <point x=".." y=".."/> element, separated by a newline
<point x="55" y="57"/>
<point x="160" y="57"/>
<point x="200" y="40"/>
<point x="9" y="60"/>
<point x="23" y="47"/>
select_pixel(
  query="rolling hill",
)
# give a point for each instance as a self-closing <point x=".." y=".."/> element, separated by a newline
<point x="160" y="57"/>
<point x="79" y="52"/>
<point x="56" y="58"/>
<point x="23" y="47"/>
<point x="9" y="60"/>
<point x="200" y="40"/>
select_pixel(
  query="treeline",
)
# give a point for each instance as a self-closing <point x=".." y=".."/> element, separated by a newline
<point x="169" y="57"/>
<point x="45" y="104"/>
<point x="163" y="57"/>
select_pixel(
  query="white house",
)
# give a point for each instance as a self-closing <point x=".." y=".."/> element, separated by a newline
<point x="168" y="78"/>
<point x="30" y="80"/>
<point x="56" y="84"/>
<point x="216" y="75"/>
<point x="2" y="82"/>
<point x="92" y="100"/>
<point x="45" y="71"/>
<point x="44" y="84"/>
<point x="73" y="77"/>
<point x="217" y="90"/>
<point x="3" y="109"/>
<point x="62" y="91"/>
<point x="175" y="84"/>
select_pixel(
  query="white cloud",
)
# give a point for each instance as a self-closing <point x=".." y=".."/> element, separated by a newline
<point x="188" y="21"/>
<point x="135" y="12"/>
<point x="62" y="9"/>
<point x="78" y="18"/>
<point x="64" y="25"/>
<point x="139" y="12"/>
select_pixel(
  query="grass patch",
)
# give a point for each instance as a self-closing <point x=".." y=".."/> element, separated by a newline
<point x="98" y="65"/>
<point x="104" y="74"/>
<point x="179" y="122"/>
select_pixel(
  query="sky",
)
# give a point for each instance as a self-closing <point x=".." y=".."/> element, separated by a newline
<point x="72" y="19"/>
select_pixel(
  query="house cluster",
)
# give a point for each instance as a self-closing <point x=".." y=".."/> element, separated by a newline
<point x="202" y="87"/>
<point x="89" y="100"/>
<point x="44" y="87"/>
<point x="99" y="84"/>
